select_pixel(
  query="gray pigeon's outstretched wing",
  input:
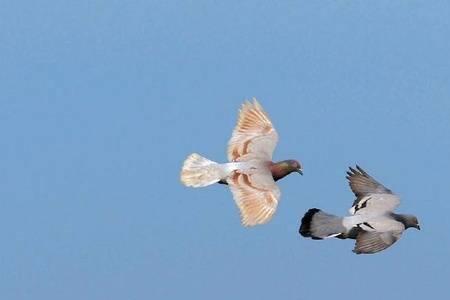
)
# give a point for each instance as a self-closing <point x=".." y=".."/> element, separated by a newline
<point x="373" y="242"/>
<point x="370" y="194"/>
<point x="254" y="136"/>
<point x="363" y="184"/>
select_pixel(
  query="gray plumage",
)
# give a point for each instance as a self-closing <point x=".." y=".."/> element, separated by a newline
<point x="372" y="221"/>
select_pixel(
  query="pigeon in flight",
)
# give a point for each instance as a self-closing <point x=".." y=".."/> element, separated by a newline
<point x="250" y="172"/>
<point x="372" y="223"/>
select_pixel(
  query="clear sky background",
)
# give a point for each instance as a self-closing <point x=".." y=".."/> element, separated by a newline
<point x="101" y="101"/>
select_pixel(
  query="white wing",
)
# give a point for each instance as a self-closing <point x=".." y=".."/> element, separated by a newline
<point x="255" y="194"/>
<point x="254" y="136"/>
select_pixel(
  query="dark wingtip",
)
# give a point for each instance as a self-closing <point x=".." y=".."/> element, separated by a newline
<point x="305" y="227"/>
<point x="357" y="171"/>
<point x="361" y="170"/>
<point x="350" y="173"/>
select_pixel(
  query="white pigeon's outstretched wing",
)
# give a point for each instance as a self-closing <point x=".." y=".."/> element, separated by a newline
<point x="371" y="196"/>
<point x="256" y="195"/>
<point x="254" y="136"/>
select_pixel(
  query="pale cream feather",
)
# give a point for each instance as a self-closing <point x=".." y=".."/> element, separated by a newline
<point x="198" y="171"/>
<point x="255" y="194"/>
<point x="254" y="136"/>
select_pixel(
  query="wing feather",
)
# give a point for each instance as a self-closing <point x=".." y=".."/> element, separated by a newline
<point x="370" y="195"/>
<point x="373" y="242"/>
<point x="254" y="136"/>
<point x="256" y="196"/>
<point x="362" y="184"/>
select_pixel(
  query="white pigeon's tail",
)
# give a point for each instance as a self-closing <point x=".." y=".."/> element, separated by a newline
<point x="198" y="171"/>
<point x="317" y="224"/>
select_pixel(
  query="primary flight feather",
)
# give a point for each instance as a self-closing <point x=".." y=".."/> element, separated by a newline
<point x="250" y="172"/>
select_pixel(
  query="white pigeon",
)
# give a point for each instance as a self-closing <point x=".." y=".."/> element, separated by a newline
<point x="372" y="223"/>
<point x="250" y="172"/>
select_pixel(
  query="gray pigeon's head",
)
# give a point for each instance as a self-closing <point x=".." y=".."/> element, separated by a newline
<point x="411" y="221"/>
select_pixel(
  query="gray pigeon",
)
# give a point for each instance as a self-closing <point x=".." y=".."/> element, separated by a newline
<point x="372" y="223"/>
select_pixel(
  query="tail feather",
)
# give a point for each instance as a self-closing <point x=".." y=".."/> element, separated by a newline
<point x="317" y="225"/>
<point x="198" y="171"/>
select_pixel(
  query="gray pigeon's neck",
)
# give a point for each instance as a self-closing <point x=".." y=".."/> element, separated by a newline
<point x="402" y="219"/>
<point x="397" y="217"/>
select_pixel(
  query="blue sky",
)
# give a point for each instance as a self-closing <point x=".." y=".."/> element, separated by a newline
<point x="101" y="101"/>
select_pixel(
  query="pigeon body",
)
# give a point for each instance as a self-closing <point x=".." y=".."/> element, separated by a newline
<point x="280" y="169"/>
<point x="250" y="172"/>
<point x="372" y="222"/>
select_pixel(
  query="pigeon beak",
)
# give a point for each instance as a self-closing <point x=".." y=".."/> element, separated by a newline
<point x="418" y="227"/>
<point x="300" y="171"/>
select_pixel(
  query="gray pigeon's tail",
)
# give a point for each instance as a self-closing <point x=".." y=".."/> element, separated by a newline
<point x="317" y="225"/>
<point x="198" y="171"/>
